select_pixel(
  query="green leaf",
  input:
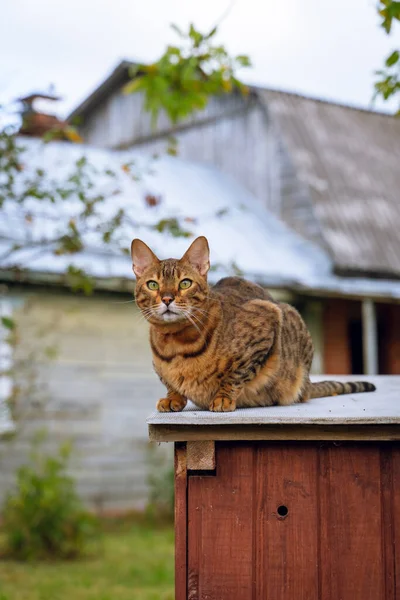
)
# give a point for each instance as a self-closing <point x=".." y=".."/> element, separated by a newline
<point x="212" y="33"/>
<point x="134" y="70"/>
<point x="195" y="35"/>
<point x="392" y="59"/>
<point x="8" y="323"/>
<point x="78" y="280"/>
<point x="171" y="226"/>
<point x="133" y="86"/>
<point x="243" y="60"/>
<point x="177" y="30"/>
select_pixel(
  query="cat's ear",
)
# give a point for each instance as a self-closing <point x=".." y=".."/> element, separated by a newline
<point x="142" y="257"/>
<point x="198" y="255"/>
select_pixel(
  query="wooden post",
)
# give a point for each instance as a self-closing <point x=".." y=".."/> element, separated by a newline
<point x="370" y="340"/>
<point x="180" y="522"/>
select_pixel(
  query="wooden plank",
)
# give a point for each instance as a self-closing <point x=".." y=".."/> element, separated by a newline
<point x="220" y="536"/>
<point x="200" y="455"/>
<point x="286" y="560"/>
<point x="323" y="491"/>
<point x="183" y="433"/>
<point x="351" y="564"/>
<point x="396" y="515"/>
<point x="180" y="522"/>
<point x="388" y="517"/>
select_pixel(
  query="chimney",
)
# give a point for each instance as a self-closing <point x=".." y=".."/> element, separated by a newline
<point x="36" y="123"/>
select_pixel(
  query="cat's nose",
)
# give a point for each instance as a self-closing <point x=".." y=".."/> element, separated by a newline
<point x="167" y="299"/>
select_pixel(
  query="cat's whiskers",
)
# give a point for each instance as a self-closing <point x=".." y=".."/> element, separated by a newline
<point x="125" y="302"/>
<point x="200" y="324"/>
<point x="148" y="312"/>
<point x="193" y="308"/>
<point x="188" y="311"/>
<point x="192" y="322"/>
<point x="193" y="318"/>
<point x="200" y="310"/>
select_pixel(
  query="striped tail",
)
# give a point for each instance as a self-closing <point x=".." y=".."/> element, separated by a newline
<point x="321" y="389"/>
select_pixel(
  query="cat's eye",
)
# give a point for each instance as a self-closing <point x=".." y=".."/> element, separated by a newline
<point x="152" y="285"/>
<point x="185" y="284"/>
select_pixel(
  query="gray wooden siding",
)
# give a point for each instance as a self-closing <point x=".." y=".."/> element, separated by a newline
<point x="232" y="133"/>
<point x="121" y="120"/>
<point x="240" y="136"/>
<point x="97" y="393"/>
<point x="228" y="144"/>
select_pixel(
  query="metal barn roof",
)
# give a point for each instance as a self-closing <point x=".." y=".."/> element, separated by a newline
<point x="243" y="236"/>
<point x="203" y="200"/>
<point x="350" y="161"/>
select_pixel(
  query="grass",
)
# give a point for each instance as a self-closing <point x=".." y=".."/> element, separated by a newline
<point x="134" y="562"/>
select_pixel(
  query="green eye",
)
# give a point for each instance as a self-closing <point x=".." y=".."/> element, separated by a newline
<point x="185" y="284"/>
<point x="152" y="285"/>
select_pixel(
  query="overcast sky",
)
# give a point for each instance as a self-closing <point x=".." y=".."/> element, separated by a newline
<point x="317" y="47"/>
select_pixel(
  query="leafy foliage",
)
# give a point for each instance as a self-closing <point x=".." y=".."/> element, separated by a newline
<point x="388" y="84"/>
<point x="180" y="82"/>
<point x="44" y="517"/>
<point x="80" y="209"/>
<point x="389" y="10"/>
<point x="187" y="75"/>
<point x="8" y="323"/>
<point x="92" y="214"/>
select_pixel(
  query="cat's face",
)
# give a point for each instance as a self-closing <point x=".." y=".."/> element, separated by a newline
<point x="172" y="290"/>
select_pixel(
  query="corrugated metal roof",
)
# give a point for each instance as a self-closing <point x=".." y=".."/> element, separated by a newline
<point x="202" y="199"/>
<point x="350" y="161"/>
<point x="242" y="234"/>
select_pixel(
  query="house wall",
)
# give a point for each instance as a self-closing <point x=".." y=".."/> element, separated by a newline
<point x="389" y="328"/>
<point x="393" y="340"/>
<point x="233" y="134"/>
<point x="342" y="337"/>
<point x="96" y="391"/>
<point x="337" y="357"/>
<point x="121" y="120"/>
<point x="236" y="134"/>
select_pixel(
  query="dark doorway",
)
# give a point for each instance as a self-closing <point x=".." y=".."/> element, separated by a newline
<point x="356" y="348"/>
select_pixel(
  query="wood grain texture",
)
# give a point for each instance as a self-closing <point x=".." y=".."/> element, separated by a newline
<point x="351" y="563"/>
<point x="180" y="522"/>
<point x="201" y="455"/>
<point x="339" y="536"/>
<point x="286" y="566"/>
<point x="220" y="537"/>
<point x="183" y="433"/>
<point x="388" y="518"/>
<point x="396" y="515"/>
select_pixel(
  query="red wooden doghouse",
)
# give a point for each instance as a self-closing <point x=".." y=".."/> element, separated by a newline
<point x="288" y="503"/>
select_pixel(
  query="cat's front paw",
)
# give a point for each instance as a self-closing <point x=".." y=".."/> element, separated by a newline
<point x="222" y="404"/>
<point x="174" y="404"/>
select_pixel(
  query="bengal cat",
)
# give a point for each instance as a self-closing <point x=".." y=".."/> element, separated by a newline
<point x="224" y="347"/>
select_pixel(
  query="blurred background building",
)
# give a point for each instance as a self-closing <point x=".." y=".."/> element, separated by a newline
<point x="296" y="193"/>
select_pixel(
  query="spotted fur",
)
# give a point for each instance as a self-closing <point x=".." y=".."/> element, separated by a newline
<point x="224" y="347"/>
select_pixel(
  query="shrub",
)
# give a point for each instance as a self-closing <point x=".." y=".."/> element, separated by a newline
<point x="44" y="517"/>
